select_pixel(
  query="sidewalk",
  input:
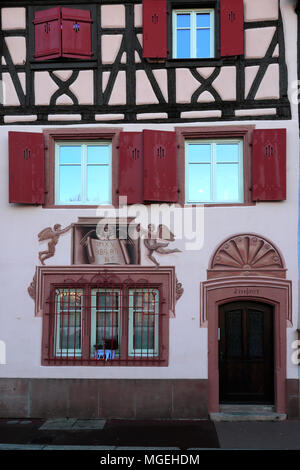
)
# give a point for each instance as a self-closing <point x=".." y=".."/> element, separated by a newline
<point x="179" y="435"/>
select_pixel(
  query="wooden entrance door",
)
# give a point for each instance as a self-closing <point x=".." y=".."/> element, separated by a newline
<point x="246" y="362"/>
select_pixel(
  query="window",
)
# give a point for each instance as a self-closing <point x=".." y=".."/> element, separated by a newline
<point x="143" y="322"/>
<point x="83" y="173"/>
<point x="68" y="322"/>
<point x="81" y="167"/>
<point x="214" y="165"/>
<point x="106" y="324"/>
<point x="214" y="171"/>
<point x="193" y="34"/>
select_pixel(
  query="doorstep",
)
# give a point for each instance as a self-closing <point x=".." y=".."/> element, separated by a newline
<point x="247" y="413"/>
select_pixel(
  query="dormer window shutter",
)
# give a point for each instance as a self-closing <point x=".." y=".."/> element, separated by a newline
<point x="76" y="33"/>
<point x="26" y="167"/>
<point x="232" y="27"/>
<point x="269" y="165"/>
<point x="47" y="27"/>
<point x="155" y="29"/>
<point x="62" y="32"/>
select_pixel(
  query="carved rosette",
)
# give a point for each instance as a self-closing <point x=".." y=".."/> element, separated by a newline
<point x="247" y="253"/>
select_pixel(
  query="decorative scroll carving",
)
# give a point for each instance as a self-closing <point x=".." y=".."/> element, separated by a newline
<point x="247" y="253"/>
<point x="53" y="236"/>
<point x="179" y="289"/>
<point x="32" y="288"/>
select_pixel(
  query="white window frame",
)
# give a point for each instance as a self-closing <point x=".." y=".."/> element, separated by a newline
<point x="67" y="352"/>
<point x="213" y="163"/>
<point x="193" y="29"/>
<point x="84" y="164"/>
<point x="132" y="352"/>
<point x="94" y="311"/>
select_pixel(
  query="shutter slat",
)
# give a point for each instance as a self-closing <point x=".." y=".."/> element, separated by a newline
<point x="154" y="29"/>
<point x="47" y="34"/>
<point x="131" y="167"/>
<point x="26" y="167"/>
<point x="160" y="167"/>
<point x="269" y="165"/>
<point x="232" y="27"/>
<point x="76" y="33"/>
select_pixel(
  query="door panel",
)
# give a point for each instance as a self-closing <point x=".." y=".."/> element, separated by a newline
<point x="246" y="363"/>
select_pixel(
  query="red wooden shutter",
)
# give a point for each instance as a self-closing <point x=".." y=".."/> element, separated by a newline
<point x="26" y="167"/>
<point x="160" y="168"/>
<point x="76" y="33"/>
<point x="232" y="27"/>
<point x="269" y="165"/>
<point x="154" y="28"/>
<point x="131" y="167"/>
<point x="47" y="34"/>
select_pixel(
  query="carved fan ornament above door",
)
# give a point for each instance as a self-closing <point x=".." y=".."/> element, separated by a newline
<point x="246" y="254"/>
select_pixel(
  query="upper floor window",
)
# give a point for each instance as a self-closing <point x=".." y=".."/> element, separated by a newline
<point x="214" y="171"/>
<point x="83" y="173"/>
<point x="193" y="34"/>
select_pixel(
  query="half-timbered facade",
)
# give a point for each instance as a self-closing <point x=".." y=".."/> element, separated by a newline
<point x="149" y="188"/>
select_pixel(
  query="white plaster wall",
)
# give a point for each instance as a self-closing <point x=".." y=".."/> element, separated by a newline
<point x="21" y="331"/>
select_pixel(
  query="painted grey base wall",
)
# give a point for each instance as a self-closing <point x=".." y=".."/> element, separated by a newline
<point x="117" y="398"/>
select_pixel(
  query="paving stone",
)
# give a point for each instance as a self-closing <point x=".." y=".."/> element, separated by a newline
<point x="57" y="424"/>
<point x="89" y="424"/>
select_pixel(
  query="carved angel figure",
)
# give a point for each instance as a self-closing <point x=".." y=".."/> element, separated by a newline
<point x="51" y="234"/>
<point x="152" y="243"/>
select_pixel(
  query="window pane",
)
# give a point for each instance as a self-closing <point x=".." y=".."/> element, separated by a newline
<point x="146" y="300"/>
<point x="98" y="154"/>
<point x="68" y="322"/>
<point x="107" y="299"/>
<point x="98" y="184"/>
<point x="234" y="333"/>
<point x="70" y="299"/>
<point x="199" y="153"/>
<point x="255" y="334"/>
<point x="183" y="20"/>
<point x="183" y="43"/>
<point x="143" y="338"/>
<point x="107" y="329"/>
<point x="199" y="182"/>
<point x="69" y="154"/>
<point x="70" y="183"/>
<point x="70" y="331"/>
<point x="227" y="153"/>
<point x="203" y="43"/>
<point x="203" y="20"/>
<point x="227" y="182"/>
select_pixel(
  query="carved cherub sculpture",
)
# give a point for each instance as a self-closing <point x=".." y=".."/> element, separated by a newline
<point x="51" y="234"/>
<point x="152" y="243"/>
